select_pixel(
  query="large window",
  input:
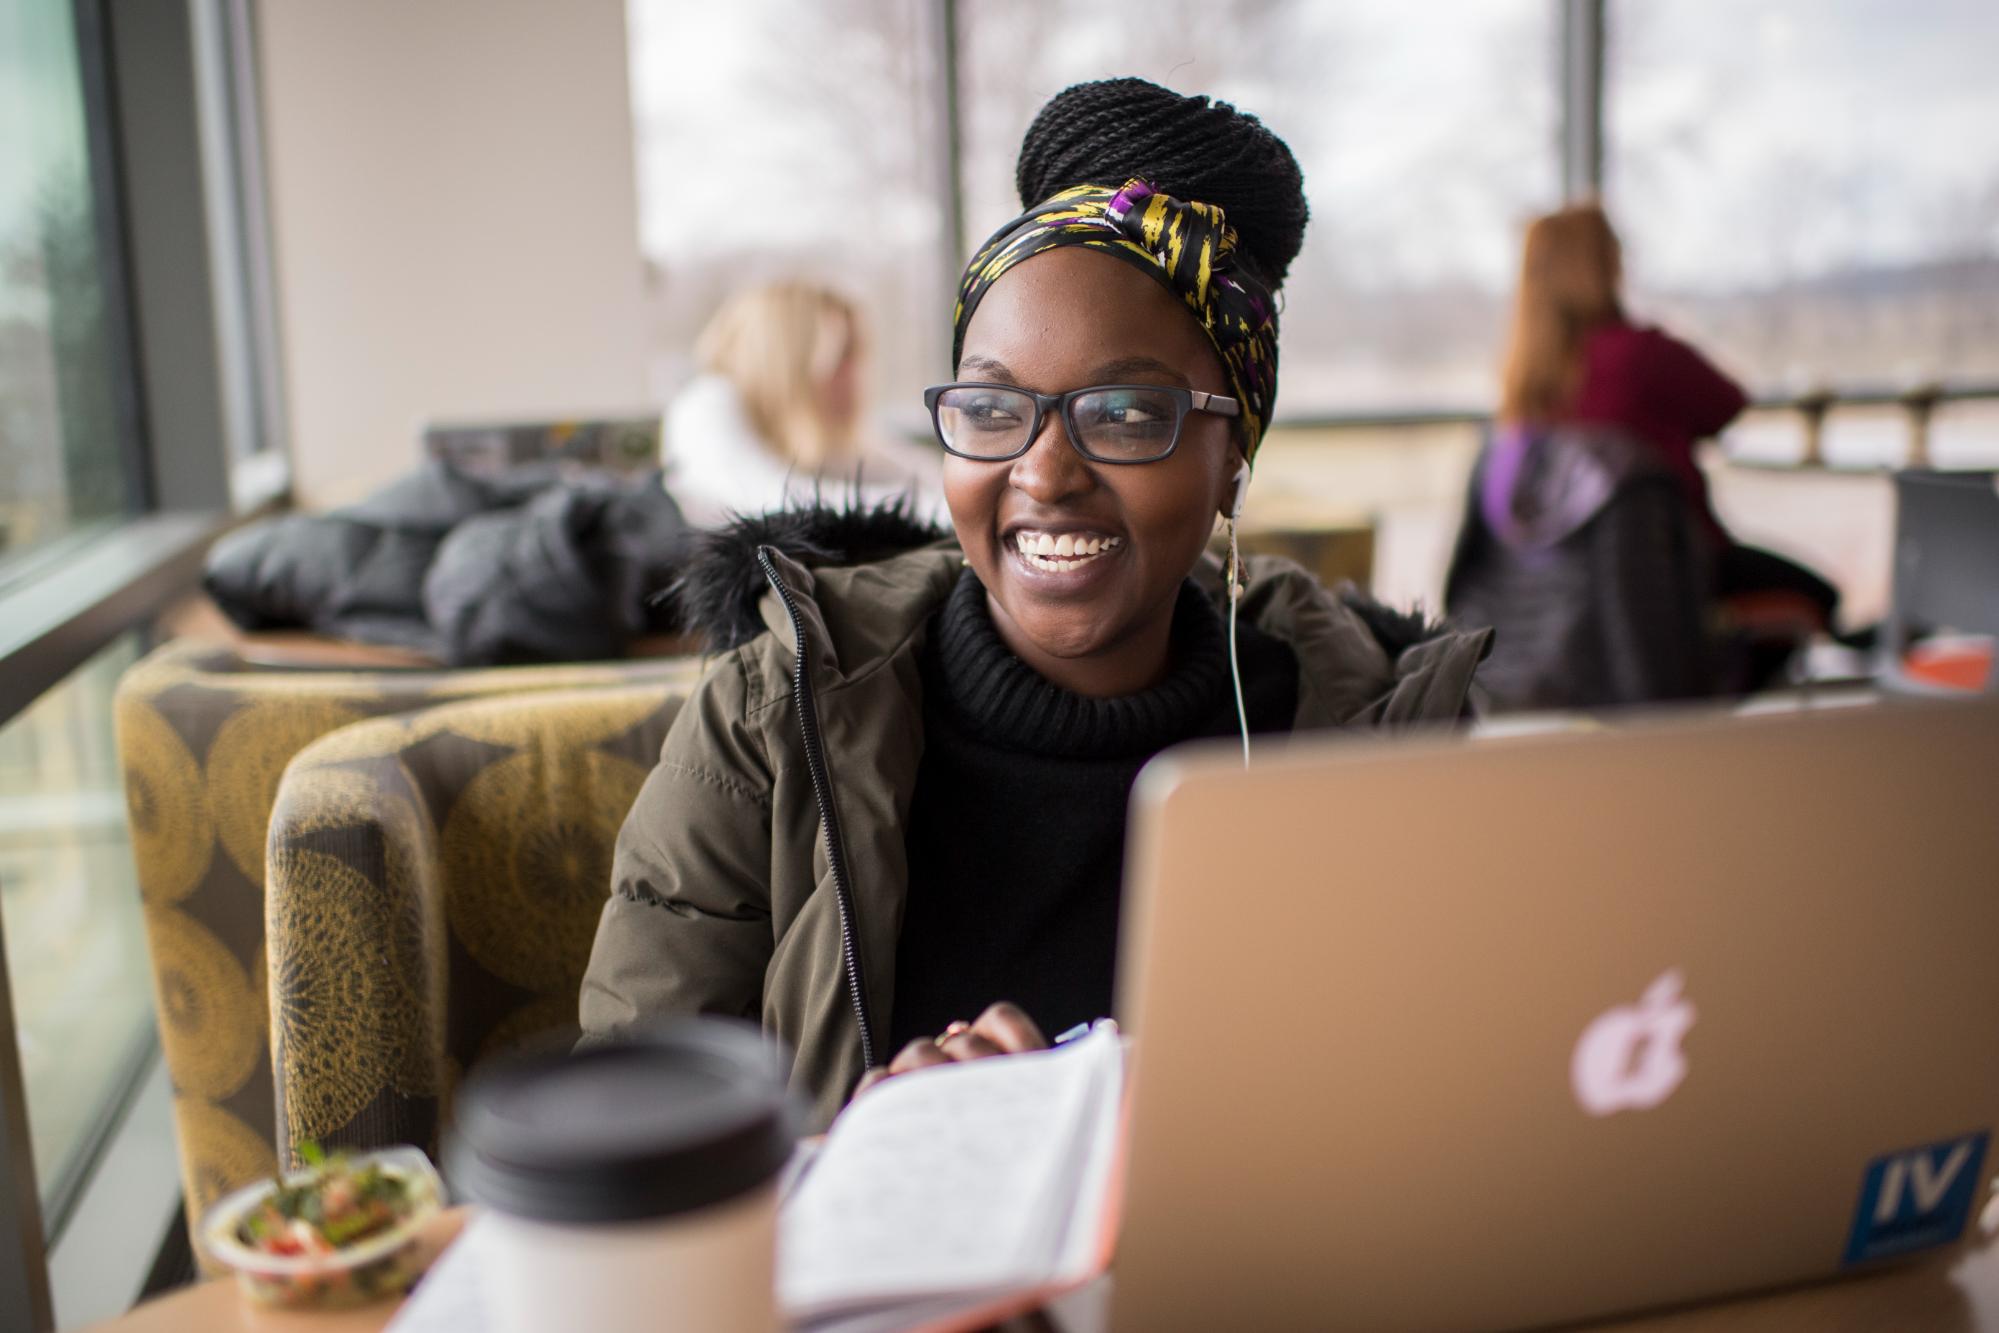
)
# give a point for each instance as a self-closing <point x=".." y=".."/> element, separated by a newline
<point x="76" y="952"/>
<point x="778" y="139"/>
<point x="1426" y="135"/>
<point x="1809" y="191"/>
<point x="77" y="963"/>
<point x="76" y="960"/>
<point x="776" y="136"/>
<point x="1812" y="189"/>
<point x="62" y="467"/>
<point x="78" y="1012"/>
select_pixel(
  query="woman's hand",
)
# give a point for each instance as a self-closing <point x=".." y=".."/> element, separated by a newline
<point x="1003" y="1029"/>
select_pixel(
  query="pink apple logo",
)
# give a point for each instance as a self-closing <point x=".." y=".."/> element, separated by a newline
<point x="1629" y="1058"/>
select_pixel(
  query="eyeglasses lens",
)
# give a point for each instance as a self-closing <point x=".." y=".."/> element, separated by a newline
<point x="984" y="422"/>
<point x="1119" y="425"/>
<point x="1125" y="425"/>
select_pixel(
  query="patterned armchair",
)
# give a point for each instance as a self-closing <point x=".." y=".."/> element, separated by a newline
<point x="203" y="736"/>
<point x="435" y="884"/>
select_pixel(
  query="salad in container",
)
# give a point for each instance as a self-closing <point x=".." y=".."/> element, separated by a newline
<point x="343" y="1231"/>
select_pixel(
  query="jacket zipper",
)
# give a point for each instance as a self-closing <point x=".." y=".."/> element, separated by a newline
<point x="829" y="817"/>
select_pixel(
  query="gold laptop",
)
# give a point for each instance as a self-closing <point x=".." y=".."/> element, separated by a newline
<point x="1462" y="1035"/>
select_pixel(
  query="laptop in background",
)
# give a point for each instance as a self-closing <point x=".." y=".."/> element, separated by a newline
<point x="1452" y="1035"/>
<point x="627" y="447"/>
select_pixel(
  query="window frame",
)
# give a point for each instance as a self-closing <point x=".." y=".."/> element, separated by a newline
<point x="169" y="96"/>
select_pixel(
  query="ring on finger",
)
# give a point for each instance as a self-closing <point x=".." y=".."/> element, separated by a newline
<point x="955" y="1028"/>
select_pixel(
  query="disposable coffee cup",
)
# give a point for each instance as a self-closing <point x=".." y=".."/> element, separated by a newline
<point x="629" y="1187"/>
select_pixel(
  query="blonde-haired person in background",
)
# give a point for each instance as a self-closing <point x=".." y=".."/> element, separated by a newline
<point x="774" y="418"/>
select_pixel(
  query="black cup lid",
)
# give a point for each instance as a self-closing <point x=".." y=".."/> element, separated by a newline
<point x="692" y="1115"/>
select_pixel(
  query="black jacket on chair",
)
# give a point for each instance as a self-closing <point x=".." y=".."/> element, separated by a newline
<point x="531" y="564"/>
<point x="1598" y="586"/>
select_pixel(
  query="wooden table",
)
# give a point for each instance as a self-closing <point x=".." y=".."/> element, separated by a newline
<point x="215" y="1307"/>
<point x="1926" y="1298"/>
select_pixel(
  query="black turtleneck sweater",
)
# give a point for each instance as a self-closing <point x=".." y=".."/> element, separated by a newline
<point x="1016" y="829"/>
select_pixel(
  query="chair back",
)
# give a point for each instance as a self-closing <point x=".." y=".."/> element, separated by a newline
<point x="435" y="885"/>
<point x="203" y="736"/>
<point x="1579" y="551"/>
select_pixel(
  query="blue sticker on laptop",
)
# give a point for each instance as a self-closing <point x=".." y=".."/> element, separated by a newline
<point x="1916" y="1199"/>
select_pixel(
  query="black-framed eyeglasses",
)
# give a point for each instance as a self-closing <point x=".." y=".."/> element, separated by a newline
<point x="1107" y="423"/>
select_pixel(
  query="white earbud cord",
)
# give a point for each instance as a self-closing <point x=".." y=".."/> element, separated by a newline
<point x="1235" y="668"/>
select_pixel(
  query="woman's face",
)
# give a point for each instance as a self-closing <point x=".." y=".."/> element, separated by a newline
<point x="1067" y="319"/>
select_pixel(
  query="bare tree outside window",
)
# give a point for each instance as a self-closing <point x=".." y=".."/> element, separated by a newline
<point x="1811" y="191"/>
<point x="776" y="136"/>
<point x="1426" y="137"/>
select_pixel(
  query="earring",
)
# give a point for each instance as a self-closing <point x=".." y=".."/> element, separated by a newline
<point x="1238" y="574"/>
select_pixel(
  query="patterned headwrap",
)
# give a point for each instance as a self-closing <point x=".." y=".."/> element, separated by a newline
<point x="1188" y="247"/>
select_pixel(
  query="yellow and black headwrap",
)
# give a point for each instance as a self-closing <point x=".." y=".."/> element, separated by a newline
<point x="1189" y="247"/>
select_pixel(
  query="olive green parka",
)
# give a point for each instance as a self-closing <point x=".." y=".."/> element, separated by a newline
<point x="762" y="871"/>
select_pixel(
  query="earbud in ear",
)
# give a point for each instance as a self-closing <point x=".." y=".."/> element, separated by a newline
<point x="1241" y="492"/>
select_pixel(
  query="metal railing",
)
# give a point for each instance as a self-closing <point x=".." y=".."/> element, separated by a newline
<point x="1813" y="406"/>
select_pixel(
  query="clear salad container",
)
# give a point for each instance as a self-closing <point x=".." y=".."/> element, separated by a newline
<point x="383" y="1263"/>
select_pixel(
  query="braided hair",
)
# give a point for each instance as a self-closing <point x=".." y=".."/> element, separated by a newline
<point x="1105" y="132"/>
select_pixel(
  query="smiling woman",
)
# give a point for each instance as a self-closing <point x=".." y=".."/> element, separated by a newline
<point x="1098" y="625"/>
<point x="898" y="800"/>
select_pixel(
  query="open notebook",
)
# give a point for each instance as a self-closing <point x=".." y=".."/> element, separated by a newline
<point x="949" y="1198"/>
<point x="946" y="1199"/>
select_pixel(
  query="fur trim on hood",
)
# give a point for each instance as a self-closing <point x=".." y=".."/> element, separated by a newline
<point x="716" y="595"/>
<point x="720" y="585"/>
<point x="1394" y="630"/>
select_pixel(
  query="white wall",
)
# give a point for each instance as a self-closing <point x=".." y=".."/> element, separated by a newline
<point x="453" y="218"/>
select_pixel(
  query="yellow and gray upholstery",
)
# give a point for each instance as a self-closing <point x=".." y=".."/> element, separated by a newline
<point x="435" y="884"/>
<point x="203" y="737"/>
